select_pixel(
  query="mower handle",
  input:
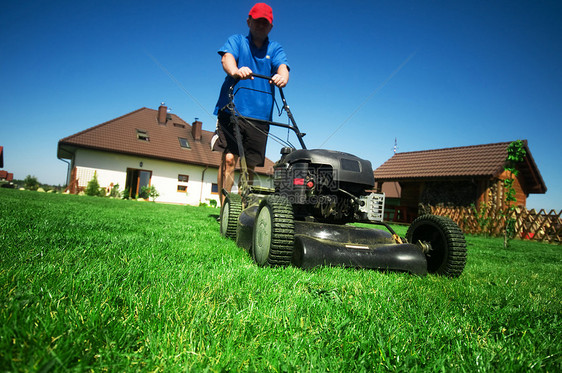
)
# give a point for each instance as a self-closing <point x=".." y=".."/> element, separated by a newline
<point x="254" y="75"/>
<point x="292" y="127"/>
<point x="261" y="76"/>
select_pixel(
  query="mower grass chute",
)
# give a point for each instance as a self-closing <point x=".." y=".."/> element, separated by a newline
<point x="306" y="218"/>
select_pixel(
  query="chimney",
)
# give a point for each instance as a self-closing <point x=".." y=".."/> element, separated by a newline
<point x="196" y="129"/>
<point x="162" y="111"/>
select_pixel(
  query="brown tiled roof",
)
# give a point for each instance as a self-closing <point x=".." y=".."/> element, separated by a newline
<point x="5" y="175"/>
<point x="468" y="161"/>
<point x="120" y="136"/>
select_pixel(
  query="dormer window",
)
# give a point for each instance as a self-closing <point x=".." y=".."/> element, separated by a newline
<point x="184" y="143"/>
<point x="142" y="135"/>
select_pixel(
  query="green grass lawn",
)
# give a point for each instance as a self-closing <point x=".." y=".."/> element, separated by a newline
<point x="96" y="284"/>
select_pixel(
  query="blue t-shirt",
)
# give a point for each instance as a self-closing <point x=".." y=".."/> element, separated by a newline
<point x="265" y="61"/>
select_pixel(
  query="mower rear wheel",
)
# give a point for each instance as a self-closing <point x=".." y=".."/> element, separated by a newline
<point x="442" y="242"/>
<point x="274" y="232"/>
<point x="229" y="215"/>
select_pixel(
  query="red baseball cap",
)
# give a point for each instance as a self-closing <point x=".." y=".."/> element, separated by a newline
<point x="262" y="10"/>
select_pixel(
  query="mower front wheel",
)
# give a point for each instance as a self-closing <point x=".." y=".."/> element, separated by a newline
<point x="274" y="230"/>
<point x="443" y="243"/>
<point x="229" y="215"/>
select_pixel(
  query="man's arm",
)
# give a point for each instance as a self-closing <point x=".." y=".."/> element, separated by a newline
<point x="230" y="67"/>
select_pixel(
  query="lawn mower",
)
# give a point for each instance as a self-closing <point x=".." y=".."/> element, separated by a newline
<point x="310" y="217"/>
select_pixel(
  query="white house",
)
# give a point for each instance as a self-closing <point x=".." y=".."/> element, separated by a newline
<point x="149" y="148"/>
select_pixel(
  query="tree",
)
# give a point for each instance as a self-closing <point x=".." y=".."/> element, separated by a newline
<point x="31" y="183"/>
<point x="515" y="154"/>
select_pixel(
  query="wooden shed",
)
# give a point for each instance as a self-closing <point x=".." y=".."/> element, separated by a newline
<point x="459" y="176"/>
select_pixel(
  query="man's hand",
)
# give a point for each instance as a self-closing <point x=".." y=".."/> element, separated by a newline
<point x="243" y="73"/>
<point x="279" y="80"/>
<point x="231" y="68"/>
<point x="282" y="77"/>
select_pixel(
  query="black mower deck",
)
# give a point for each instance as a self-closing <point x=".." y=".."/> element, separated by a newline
<point x="320" y="244"/>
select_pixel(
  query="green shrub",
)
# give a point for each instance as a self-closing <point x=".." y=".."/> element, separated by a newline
<point x="149" y="191"/>
<point x="115" y="192"/>
<point x="93" y="188"/>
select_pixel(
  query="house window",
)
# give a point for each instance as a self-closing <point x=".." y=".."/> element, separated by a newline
<point x="182" y="180"/>
<point x="142" y="135"/>
<point x="179" y="125"/>
<point x="183" y="143"/>
<point x="214" y="188"/>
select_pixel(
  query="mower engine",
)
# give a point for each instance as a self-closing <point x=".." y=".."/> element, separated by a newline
<point x="327" y="186"/>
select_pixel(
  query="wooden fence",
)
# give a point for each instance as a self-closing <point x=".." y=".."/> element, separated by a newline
<point x="529" y="224"/>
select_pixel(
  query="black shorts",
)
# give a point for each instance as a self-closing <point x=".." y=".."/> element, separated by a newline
<point x="254" y="138"/>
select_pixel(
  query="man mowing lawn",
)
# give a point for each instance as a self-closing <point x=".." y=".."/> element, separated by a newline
<point x="241" y="56"/>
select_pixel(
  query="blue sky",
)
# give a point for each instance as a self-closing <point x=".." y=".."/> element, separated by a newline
<point x="432" y="74"/>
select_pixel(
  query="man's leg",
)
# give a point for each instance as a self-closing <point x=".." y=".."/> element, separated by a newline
<point x="225" y="178"/>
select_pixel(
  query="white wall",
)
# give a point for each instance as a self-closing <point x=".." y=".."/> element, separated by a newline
<point x="112" y="168"/>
